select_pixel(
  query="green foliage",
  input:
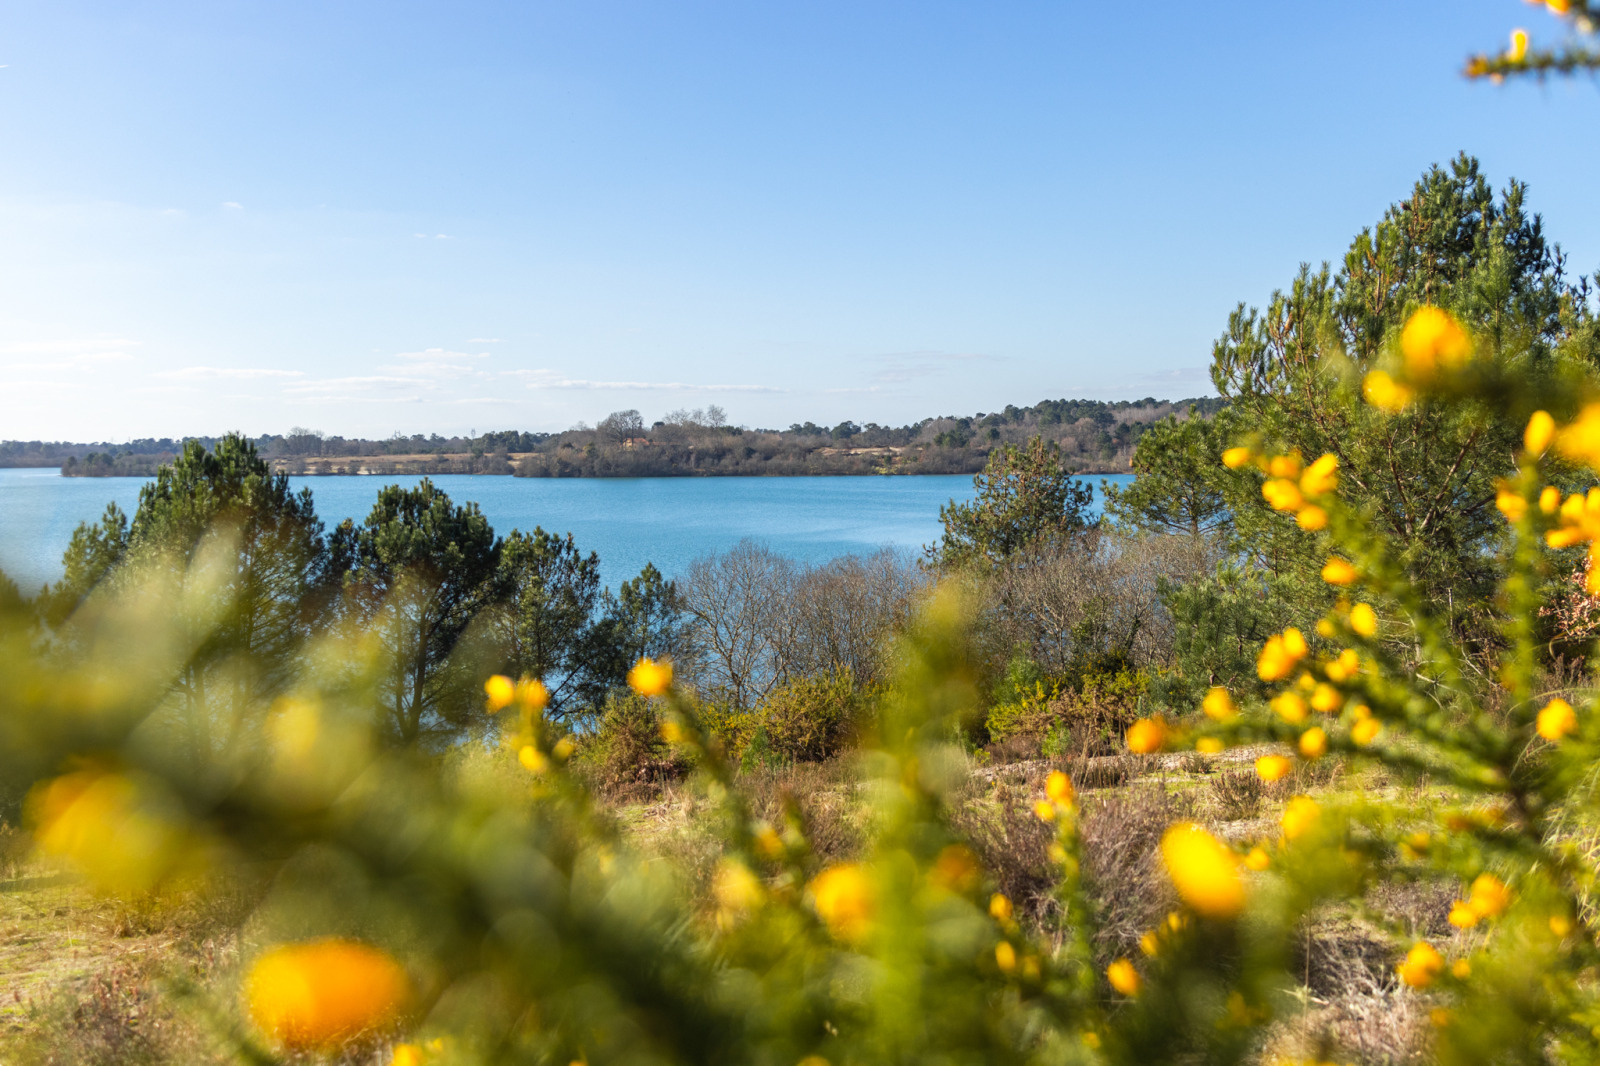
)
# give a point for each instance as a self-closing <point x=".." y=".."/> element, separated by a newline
<point x="1176" y="486"/>
<point x="421" y="570"/>
<point x="551" y="595"/>
<point x="1025" y="494"/>
<point x="811" y="718"/>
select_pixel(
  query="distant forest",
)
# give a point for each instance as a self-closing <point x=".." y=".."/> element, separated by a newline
<point x="1096" y="437"/>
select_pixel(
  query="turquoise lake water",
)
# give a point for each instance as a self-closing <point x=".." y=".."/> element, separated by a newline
<point x="628" y="521"/>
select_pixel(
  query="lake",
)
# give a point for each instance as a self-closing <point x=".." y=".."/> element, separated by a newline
<point x="628" y="521"/>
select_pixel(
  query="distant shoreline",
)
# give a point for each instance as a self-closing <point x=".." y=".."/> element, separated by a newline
<point x="865" y="463"/>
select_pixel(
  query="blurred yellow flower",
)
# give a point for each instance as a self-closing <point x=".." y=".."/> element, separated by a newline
<point x="1549" y="499"/>
<point x="1461" y="969"/>
<point x="1558" y="7"/>
<point x="999" y="907"/>
<point x="955" y="869"/>
<point x="1203" y="870"/>
<point x="1580" y="439"/>
<point x="1282" y="494"/>
<point x="1273" y="767"/>
<point x="532" y="759"/>
<point x="1421" y="965"/>
<point x="1337" y="571"/>
<point x="1005" y="956"/>
<point x="1311" y="518"/>
<point x="1280" y="655"/>
<point x="1321" y="477"/>
<point x="1150" y="942"/>
<point x="1290" y="706"/>
<point x="1509" y="502"/>
<point x="1557" y="720"/>
<point x="322" y="994"/>
<point x="1218" y="704"/>
<point x="1345" y="667"/>
<point x="1489" y="896"/>
<point x="736" y="888"/>
<point x="1257" y="859"/>
<point x="1326" y="698"/>
<point x="1209" y="745"/>
<point x="1462" y="916"/>
<point x="531" y="694"/>
<point x="1385" y="393"/>
<point x="1284" y="466"/>
<point x="1147" y="735"/>
<point x="1365" y="731"/>
<point x="1045" y="811"/>
<point x="1541" y="430"/>
<point x="1300" y="816"/>
<point x="1123" y="977"/>
<point x="105" y="825"/>
<point x="1560" y="924"/>
<point x="1363" y="619"/>
<point x="1234" y="458"/>
<point x="845" y="900"/>
<point x="1058" y="786"/>
<point x="1314" y="743"/>
<point x="407" y="1054"/>
<point x="1519" y="46"/>
<point x="499" y="690"/>
<point x="649" y="677"/>
<point x="1431" y="341"/>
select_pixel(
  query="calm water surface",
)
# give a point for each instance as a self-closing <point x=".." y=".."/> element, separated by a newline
<point x="628" y="521"/>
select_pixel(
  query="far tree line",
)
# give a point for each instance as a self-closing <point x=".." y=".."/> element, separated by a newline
<point x="1097" y="436"/>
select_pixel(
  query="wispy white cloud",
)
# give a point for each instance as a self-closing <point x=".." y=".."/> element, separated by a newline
<point x="227" y="373"/>
<point x="555" y="382"/>
<point x="74" y="353"/>
<point x="438" y="363"/>
<point x="899" y="367"/>
<point x="233" y="205"/>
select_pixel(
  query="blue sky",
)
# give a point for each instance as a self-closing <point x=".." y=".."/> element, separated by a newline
<point x="436" y="217"/>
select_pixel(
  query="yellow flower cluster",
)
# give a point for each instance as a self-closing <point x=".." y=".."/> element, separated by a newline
<point x="1146" y="736"/>
<point x="1556" y="720"/>
<point x="1291" y="489"/>
<point x="1432" y="344"/>
<point x="1281" y="654"/>
<point x="527" y="693"/>
<point x="1488" y="898"/>
<point x="104" y="824"/>
<point x="1421" y="966"/>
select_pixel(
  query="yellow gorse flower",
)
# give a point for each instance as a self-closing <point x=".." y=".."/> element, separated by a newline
<point x="1433" y="341"/>
<point x="1300" y="816"/>
<point x="1290" y="706"/>
<point x="1364" y="620"/>
<point x="844" y="898"/>
<point x="1058" y="786"/>
<point x="1203" y="870"/>
<point x="1234" y="458"/>
<point x="1385" y="393"/>
<point x="1281" y="654"/>
<point x="1421" y="965"/>
<point x="1124" y="977"/>
<point x="1313" y="743"/>
<point x="1146" y="736"/>
<point x="1556" y="720"/>
<point x="499" y="691"/>
<point x="1540" y="431"/>
<point x="1519" y="46"/>
<point x="736" y="888"/>
<point x="103" y="823"/>
<point x="1218" y="704"/>
<point x="1337" y="571"/>
<point x="1580" y="439"/>
<point x="1321" y="477"/>
<point x="650" y="677"/>
<point x="1273" y="767"/>
<point x="323" y="994"/>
